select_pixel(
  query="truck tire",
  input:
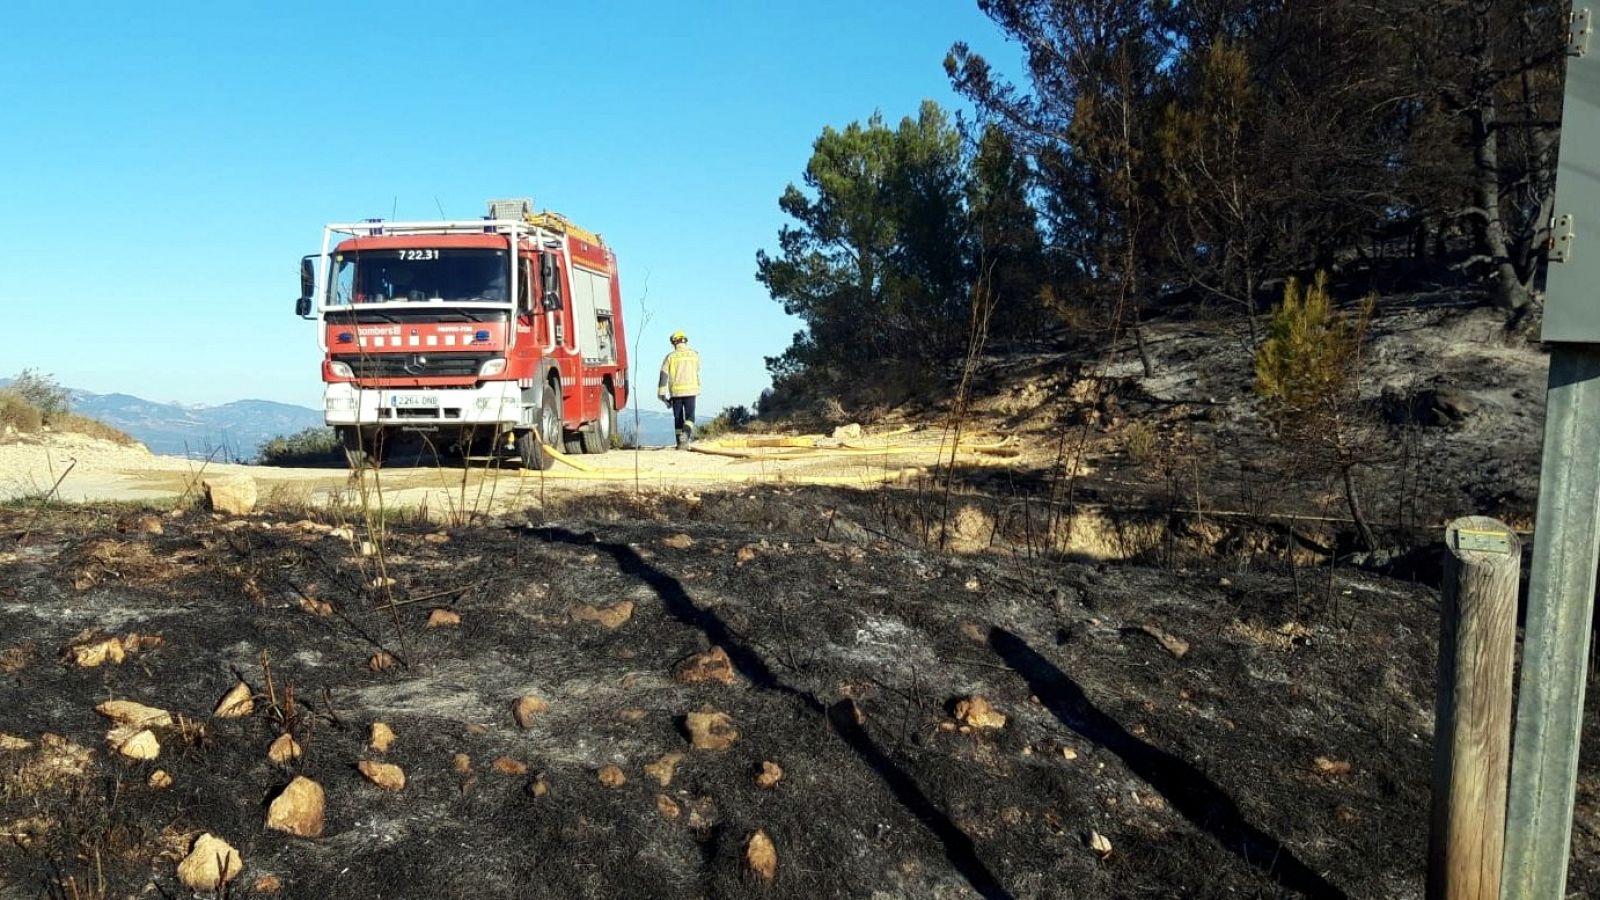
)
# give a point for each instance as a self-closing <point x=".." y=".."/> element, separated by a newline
<point x="597" y="437"/>
<point x="530" y="444"/>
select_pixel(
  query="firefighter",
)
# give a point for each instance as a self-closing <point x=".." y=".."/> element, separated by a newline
<point x="680" y="384"/>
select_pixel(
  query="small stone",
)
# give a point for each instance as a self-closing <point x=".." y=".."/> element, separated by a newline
<point x="382" y="661"/>
<point x="342" y="533"/>
<point x="231" y="495"/>
<point x="99" y="653"/>
<point x="710" y="730"/>
<point x="211" y="864"/>
<point x="236" y="703"/>
<point x="977" y="712"/>
<point x="319" y="608"/>
<point x="267" y="884"/>
<point x="284" y="750"/>
<point x="538" y="787"/>
<point x="505" y="765"/>
<point x="380" y="738"/>
<point x="443" y="618"/>
<point x="712" y="665"/>
<point x="761" y="857"/>
<point x="367" y="548"/>
<point x="1069" y="754"/>
<point x="1331" y="768"/>
<point x="1099" y="843"/>
<point x="662" y="769"/>
<point x="380" y="582"/>
<point x="612" y="776"/>
<point x="436" y="537"/>
<point x="387" y="776"/>
<point x="10" y="742"/>
<point x="608" y="617"/>
<point x="526" y="708"/>
<point x="1173" y="644"/>
<point x="667" y="808"/>
<point x="159" y="780"/>
<point x="299" y="808"/>
<point x="745" y="554"/>
<point x="133" y="742"/>
<point x="679" y="541"/>
<point x="461" y="764"/>
<point x="771" y="773"/>
<point x="127" y="712"/>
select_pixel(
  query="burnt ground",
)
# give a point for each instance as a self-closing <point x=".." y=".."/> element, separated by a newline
<point x="1285" y="754"/>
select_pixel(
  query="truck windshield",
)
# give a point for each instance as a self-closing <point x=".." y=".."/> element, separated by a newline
<point x="420" y="274"/>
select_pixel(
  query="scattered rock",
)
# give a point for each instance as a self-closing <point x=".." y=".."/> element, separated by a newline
<point x="667" y="808"/>
<point x="387" y="776"/>
<point x="233" y="495"/>
<point x="284" y="750"/>
<point x="134" y="742"/>
<point x="299" y="808"/>
<point x="505" y="765"/>
<point x="662" y="769"/>
<point x="380" y="738"/>
<point x="342" y="533"/>
<point x="381" y="582"/>
<point x="1173" y="644"/>
<point x="236" y="703"/>
<point x="607" y="617"/>
<point x="1069" y="754"/>
<point x="267" y="884"/>
<point x="10" y="742"/>
<point x="771" y="773"/>
<point x="98" y="653"/>
<point x="612" y="776"/>
<point x="710" y="730"/>
<point x="1331" y="768"/>
<point x="382" y="661"/>
<point x="679" y="541"/>
<point x="320" y="608"/>
<point x="712" y="665"/>
<point x="977" y="712"/>
<point x="538" y="787"/>
<point x="443" y="618"/>
<point x="210" y="865"/>
<point x="526" y="708"/>
<point x="159" y="780"/>
<point x="461" y="763"/>
<point x="367" y="548"/>
<point x="760" y="857"/>
<point x="437" y="537"/>
<point x="127" y="712"/>
<point x="745" y="554"/>
<point x="851" y="432"/>
<point x="1099" y="843"/>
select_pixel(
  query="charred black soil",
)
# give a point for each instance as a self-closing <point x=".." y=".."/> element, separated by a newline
<point x="1167" y="734"/>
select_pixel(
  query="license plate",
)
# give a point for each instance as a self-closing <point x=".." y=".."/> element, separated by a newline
<point x="413" y="400"/>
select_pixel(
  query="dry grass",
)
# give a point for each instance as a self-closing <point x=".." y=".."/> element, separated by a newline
<point x="76" y="424"/>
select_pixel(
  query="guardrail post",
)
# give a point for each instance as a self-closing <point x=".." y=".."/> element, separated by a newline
<point x="1472" y="721"/>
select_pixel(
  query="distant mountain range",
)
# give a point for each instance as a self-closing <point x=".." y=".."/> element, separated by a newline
<point x="235" y="431"/>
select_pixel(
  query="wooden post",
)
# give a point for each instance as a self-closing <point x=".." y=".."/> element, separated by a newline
<point x="1472" y="721"/>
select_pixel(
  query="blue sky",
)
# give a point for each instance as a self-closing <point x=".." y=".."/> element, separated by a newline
<point x="163" y="166"/>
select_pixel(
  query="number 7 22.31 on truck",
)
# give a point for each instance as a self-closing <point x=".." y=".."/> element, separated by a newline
<point x="485" y="337"/>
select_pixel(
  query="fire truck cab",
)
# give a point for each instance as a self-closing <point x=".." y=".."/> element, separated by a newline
<point x="490" y="337"/>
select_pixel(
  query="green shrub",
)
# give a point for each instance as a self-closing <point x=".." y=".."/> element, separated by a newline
<point x="314" y="446"/>
<point x="44" y="393"/>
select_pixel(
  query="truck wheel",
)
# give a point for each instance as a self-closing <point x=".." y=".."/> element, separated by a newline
<point x="530" y="447"/>
<point x="597" y="437"/>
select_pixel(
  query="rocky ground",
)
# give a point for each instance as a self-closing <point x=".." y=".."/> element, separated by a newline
<point x="899" y="722"/>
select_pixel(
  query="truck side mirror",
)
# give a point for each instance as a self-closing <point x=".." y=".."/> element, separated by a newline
<point x="308" y="275"/>
<point x="302" y="307"/>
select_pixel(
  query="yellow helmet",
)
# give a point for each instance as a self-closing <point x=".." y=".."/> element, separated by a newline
<point x="679" y="337"/>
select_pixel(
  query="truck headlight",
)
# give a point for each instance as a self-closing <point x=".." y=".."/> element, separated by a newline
<point x="492" y="367"/>
<point x="340" y="370"/>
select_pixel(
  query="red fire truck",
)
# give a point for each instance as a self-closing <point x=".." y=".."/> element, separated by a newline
<point x="489" y="337"/>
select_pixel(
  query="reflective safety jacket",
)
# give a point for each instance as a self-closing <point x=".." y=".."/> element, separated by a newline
<point x="680" y="374"/>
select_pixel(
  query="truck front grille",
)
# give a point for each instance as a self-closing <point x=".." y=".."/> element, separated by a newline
<point x="414" y="365"/>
